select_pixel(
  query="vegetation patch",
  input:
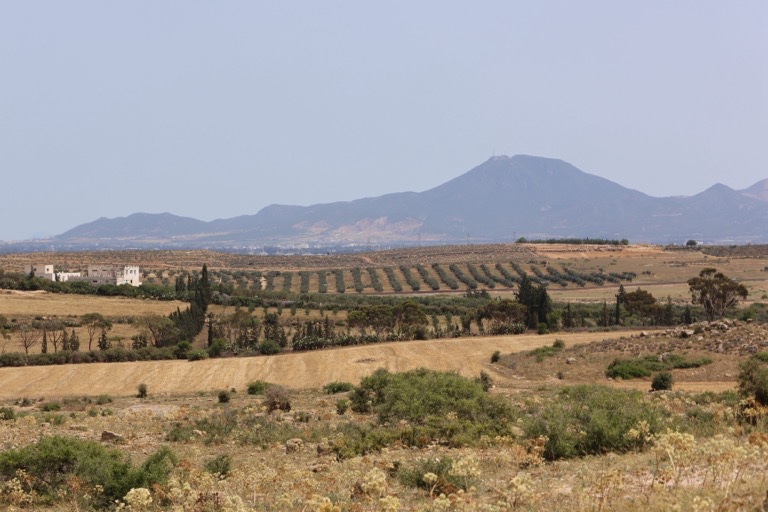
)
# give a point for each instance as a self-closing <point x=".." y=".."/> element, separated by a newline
<point x="593" y="419"/>
<point x="645" y="366"/>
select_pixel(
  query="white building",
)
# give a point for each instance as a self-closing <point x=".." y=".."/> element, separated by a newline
<point x="108" y="274"/>
<point x="97" y="274"/>
<point x="47" y="272"/>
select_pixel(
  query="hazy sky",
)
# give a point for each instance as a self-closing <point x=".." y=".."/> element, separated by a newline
<point x="217" y="109"/>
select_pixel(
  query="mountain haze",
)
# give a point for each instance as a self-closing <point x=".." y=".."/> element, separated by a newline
<point x="499" y="200"/>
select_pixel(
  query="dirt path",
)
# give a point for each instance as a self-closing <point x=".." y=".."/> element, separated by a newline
<point x="468" y="356"/>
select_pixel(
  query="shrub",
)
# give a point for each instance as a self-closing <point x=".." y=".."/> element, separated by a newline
<point x="632" y="368"/>
<point x="753" y="379"/>
<point x="338" y="387"/>
<point x="142" y="391"/>
<point x="661" y="381"/>
<point x="219" y="465"/>
<point x="7" y="413"/>
<point x="485" y="380"/>
<point x="277" y="398"/>
<point x="216" y="347"/>
<point x="53" y="461"/>
<point x="442" y="482"/>
<point x="268" y="347"/>
<point x="435" y="405"/>
<point x="495" y="356"/>
<point x="197" y="354"/>
<point x="342" y="406"/>
<point x="558" y="344"/>
<point x="103" y="399"/>
<point x="257" y="387"/>
<point x="628" y="369"/>
<point x="593" y="419"/>
<point x="51" y="406"/>
<point x="223" y="397"/>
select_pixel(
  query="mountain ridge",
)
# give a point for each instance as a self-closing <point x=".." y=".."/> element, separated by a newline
<point x="499" y="200"/>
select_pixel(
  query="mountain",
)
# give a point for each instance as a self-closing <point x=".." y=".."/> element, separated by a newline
<point x="499" y="200"/>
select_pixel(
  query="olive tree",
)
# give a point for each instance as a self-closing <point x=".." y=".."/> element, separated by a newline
<point x="715" y="292"/>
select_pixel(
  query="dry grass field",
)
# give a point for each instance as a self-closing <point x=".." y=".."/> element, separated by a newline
<point x="306" y="370"/>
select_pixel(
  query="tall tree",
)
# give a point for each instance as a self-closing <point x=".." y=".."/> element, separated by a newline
<point x="716" y="292"/>
<point x="29" y="336"/>
<point x="94" y="323"/>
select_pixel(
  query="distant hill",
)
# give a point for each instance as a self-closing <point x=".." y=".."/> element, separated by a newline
<point x="500" y="200"/>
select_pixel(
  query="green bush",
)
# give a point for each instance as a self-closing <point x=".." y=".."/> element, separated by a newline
<point x="142" y="391"/>
<point x="197" y="354"/>
<point x="7" y="413"/>
<point x="51" y="406"/>
<point x="629" y="369"/>
<point x="636" y="367"/>
<point x="342" y="406"/>
<point x="219" y="465"/>
<point x="257" y="387"/>
<point x="338" y="387"/>
<point x="216" y="347"/>
<point x="592" y="419"/>
<point x="495" y="356"/>
<point x="413" y="476"/>
<point x="52" y="461"/>
<point x="268" y="347"/>
<point x="753" y="379"/>
<point x="662" y="381"/>
<point x="223" y="397"/>
<point x="435" y="405"/>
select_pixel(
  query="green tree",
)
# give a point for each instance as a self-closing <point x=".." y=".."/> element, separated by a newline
<point x="715" y="292"/>
<point x="94" y="323"/>
<point x="536" y="300"/>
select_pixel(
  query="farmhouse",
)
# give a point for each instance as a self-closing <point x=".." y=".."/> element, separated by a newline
<point x="96" y="275"/>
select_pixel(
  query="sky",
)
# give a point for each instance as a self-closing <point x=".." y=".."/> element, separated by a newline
<point x="217" y="109"/>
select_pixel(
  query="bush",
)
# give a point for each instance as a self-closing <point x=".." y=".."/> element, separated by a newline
<point x="197" y="354"/>
<point x="662" y="381"/>
<point x="277" y="398"/>
<point x="142" y="391"/>
<point x="593" y="420"/>
<point x="223" y="397"/>
<point x="53" y="461"/>
<point x="51" y="406"/>
<point x="413" y="476"/>
<point x="216" y="347"/>
<point x="219" y="465"/>
<point x="753" y="379"/>
<point x="342" y="406"/>
<point x="7" y="413"/>
<point x="257" y="387"/>
<point x="495" y="357"/>
<point x="268" y="347"/>
<point x="338" y="387"/>
<point x="436" y="405"/>
<point x="632" y="368"/>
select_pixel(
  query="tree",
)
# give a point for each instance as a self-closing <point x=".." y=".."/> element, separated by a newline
<point x="621" y="298"/>
<point x="94" y="323"/>
<point x="536" y="300"/>
<point x="642" y="304"/>
<point x="161" y="328"/>
<point x="29" y="336"/>
<point x="715" y="292"/>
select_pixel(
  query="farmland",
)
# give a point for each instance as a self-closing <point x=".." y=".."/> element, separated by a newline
<point x="699" y="446"/>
